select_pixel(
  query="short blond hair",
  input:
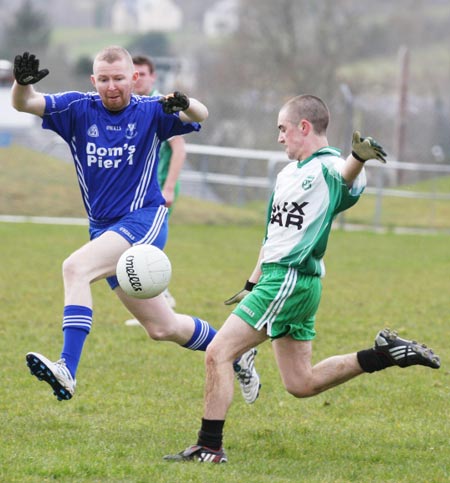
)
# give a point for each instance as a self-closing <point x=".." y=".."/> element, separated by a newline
<point x="114" y="53"/>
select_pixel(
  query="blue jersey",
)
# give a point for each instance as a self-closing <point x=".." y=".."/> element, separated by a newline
<point x="115" y="153"/>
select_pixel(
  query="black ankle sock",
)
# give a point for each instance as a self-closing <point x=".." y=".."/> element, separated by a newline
<point x="371" y="361"/>
<point x="211" y="433"/>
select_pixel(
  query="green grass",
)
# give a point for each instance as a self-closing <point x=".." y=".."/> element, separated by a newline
<point x="407" y="212"/>
<point x="35" y="184"/>
<point x="402" y="212"/>
<point x="137" y="399"/>
<point x="87" y="41"/>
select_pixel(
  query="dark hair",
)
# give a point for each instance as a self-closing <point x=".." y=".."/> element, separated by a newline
<point x="144" y="60"/>
<point x="311" y="108"/>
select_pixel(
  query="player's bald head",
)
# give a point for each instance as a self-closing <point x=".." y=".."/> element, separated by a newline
<point x="308" y="107"/>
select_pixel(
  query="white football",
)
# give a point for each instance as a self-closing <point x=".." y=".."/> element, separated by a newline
<point x="143" y="271"/>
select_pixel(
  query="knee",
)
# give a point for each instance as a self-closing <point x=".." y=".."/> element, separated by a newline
<point x="299" y="390"/>
<point x="71" y="269"/>
<point x="211" y="354"/>
<point x="216" y="354"/>
<point x="159" y="332"/>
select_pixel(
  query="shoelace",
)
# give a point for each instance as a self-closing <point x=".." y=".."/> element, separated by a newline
<point x="62" y="368"/>
<point x="245" y="375"/>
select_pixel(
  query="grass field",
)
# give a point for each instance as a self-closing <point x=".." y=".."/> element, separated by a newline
<point x="36" y="184"/>
<point x="86" y="41"/>
<point x="137" y="399"/>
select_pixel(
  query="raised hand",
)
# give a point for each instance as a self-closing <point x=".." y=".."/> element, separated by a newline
<point x="237" y="297"/>
<point x="174" y="102"/>
<point x="26" y="69"/>
<point x="367" y="148"/>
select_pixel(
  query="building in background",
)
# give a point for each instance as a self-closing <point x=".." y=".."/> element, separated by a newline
<point x="146" y="15"/>
<point x="221" y="18"/>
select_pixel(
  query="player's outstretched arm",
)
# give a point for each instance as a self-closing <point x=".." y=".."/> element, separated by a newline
<point x="26" y="73"/>
<point x="197" y="112"/>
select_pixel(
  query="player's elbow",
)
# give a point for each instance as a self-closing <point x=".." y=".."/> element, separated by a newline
<point x="17" y="105"/>
<point x="198" y="112"/>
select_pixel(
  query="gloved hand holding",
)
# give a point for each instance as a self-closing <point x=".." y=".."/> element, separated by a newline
<point x="237" y="297"/>
<point x="26" y="69"/>
<point x="367" y="148"/>
<point x="174" y="102"/>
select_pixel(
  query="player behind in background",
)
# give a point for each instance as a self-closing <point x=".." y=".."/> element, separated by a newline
<point x="172" y="153"/>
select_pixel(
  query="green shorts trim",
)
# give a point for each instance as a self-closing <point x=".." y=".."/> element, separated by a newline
<point x="284" y="302"/>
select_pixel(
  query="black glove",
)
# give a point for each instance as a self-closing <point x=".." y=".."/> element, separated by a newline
<point x="367" y="148"/>
<point x="237" y="297"/>
<point x="26" y="69"/>
<point x="174" y="102"/>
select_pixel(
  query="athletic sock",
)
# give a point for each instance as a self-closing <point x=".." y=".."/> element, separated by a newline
<point x="76" y="326"/>
<point x="202" y="336"/>
<point x="211" y="433"/>
<point x="371" y="361"/>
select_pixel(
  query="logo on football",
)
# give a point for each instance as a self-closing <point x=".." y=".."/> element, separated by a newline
<point x="143" y="271"/>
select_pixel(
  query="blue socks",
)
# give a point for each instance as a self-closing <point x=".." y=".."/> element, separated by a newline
<point x="76" y="326"/>
<point x="202" y="336"/>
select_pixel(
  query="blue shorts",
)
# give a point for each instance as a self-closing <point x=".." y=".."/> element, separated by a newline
<point x="145" y="226"/>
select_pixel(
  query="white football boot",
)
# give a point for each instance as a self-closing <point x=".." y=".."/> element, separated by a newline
<point x="246" y="374"/>
<point x="54" y="373"/>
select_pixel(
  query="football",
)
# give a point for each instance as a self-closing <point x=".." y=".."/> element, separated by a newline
<point x="143" y="271"/>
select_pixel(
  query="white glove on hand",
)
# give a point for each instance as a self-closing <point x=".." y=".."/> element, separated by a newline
<point x="237" y="297"/>
<point x="367" y="148"/>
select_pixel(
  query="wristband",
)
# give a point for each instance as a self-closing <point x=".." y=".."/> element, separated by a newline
<point x="358" y="158"/>
<point x="249" y="285"/>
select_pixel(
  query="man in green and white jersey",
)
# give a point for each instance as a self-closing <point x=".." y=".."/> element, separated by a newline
<point x="281" y="298"/>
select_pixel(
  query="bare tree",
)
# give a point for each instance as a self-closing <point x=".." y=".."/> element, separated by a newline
<point x="28" y="29"/>
<point x="281" y="49"/>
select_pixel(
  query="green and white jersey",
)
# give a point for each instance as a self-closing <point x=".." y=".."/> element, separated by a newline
<point x="306" y="198"/>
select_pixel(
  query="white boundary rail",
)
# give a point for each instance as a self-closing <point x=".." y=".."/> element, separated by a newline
<point x="380" y="175"/>
<point x="273" y="158"/>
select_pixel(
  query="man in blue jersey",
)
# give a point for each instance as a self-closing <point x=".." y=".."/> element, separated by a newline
<point x="114" y="137"/>
<point x="281" y="297"/>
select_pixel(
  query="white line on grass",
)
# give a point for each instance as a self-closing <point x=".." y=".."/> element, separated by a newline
<point x="54" y="220"/>
<point x="43" y="220"/>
